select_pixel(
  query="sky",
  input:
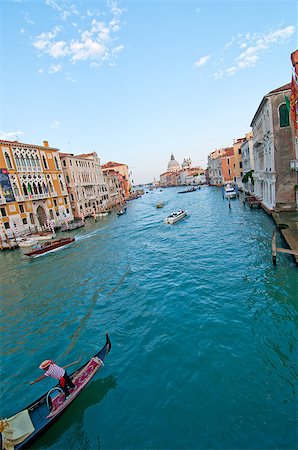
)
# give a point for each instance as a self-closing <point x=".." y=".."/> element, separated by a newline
<point x="137" y="80"/>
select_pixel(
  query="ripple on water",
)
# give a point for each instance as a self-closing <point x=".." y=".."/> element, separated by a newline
<point x="203" y="328"/>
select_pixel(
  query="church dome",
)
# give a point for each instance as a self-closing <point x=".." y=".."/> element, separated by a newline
<point x="173" y="165"/>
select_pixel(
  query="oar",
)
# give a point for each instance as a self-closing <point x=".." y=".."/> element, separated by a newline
<point x="71" y="364"/>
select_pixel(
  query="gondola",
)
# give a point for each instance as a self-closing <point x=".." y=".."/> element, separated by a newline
<point x="27" y="425"/>
<point x="120" y="213"/>
<point x="193" y="189"/>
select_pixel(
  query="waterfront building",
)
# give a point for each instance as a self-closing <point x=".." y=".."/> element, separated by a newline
<point x="85" y="183"/>
<point x="221" y="166"/>
<point x="248" y="162"/>
<point x="122" y="169"/>
<point x="238" y="164"/>
<point x="116" y="187"/>
<point x="168" y="179"/>
<point x="274" y="148"/>
<point x="32" y="188"/>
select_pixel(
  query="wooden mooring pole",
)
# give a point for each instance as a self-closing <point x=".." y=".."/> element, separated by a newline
<point x="273" y="242"/>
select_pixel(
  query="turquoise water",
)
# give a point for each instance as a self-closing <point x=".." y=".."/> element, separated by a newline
<point x="203" y="327"/>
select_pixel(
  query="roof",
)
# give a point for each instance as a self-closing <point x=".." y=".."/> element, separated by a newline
<point x="5" y="142"/>
<point x="283" y="88"/>
<point x="112" y="164"/>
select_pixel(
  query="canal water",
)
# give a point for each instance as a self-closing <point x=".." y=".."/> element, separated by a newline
<point x="203" y="328"/>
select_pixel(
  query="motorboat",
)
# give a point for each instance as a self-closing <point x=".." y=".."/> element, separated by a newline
<point x="50" y="246"/>
<point x="22" y="429"/>
<point x="160" y="205"/>
<point x="121" y="212"/>
<point x="175" y="216"/>
<point x="193" y="189"/>
<point x="26" y="242"/>
<point x="230" y="191"/>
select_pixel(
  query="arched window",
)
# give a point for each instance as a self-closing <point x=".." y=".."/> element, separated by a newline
<point x="22" y="161"/>
<point x="51" y="186"/>
<point x="37" y="162"/>
<point x="61" y="184"/>
<point x="56" y="163"/>
<point x="15" y="189"/>
<point x="17" y="160"/>
<point x="44" y="162"/>
<point x="284" y="120"/>
<point x="35" y="189"/>
<point x="33" y="163"/>
<point x="25" y="189"/>
<point x="7" y="160"/>
<point x="39" y="188"/>
<point x="44" y="188"/>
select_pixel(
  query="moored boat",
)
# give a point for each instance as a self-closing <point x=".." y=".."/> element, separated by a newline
<point x="21" y="430"/>
<point x="41" y="236"/>
<point x="160" y="205"/>
<point x="230" y="191"/>
<point x="175" y="216"/>
<point x="50" y="246"/>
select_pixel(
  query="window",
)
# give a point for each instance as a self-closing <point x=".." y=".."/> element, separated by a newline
<point x="21" y="209"/>
<point x="240" y="164"/>
<point x="64" y="163"/>
<point x="24" y="221"/>
<point x="228" y="161"/>
<point x="7" y="160"/>
<point x="44" y="162"/>
<point x="67" y="178"/>
<point x="65" y="200"/>
<point x="67" y="210"/>
<point x="55" y="202"/>
<point x="6" y="225"/>
<point x="3" y="212"/>
<point x="25" y="189"/>
<point x="56" y="163"/>
<point x="239" y="151"/>
<point x="284" y="120"/>
<point x="72" y="198"/>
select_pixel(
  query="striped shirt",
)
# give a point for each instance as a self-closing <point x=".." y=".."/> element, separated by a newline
<point x="55" y="371"/>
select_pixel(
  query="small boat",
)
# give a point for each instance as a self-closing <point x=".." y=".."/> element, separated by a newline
<point x="21" y="430"/>
<point x="69" y="226"/>
<point x="25" y="242"/>
<point x="50" y="246"/>
<point x="178" y="215"/>
<point x="230" y="191"/>
<point x="193" y="189"/>
<point x="121" y="212"/>
<point x="160" y="205"/>
<point x="102" y="214"/>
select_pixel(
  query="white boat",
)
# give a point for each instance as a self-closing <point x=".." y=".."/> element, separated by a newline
<point x="230" y="191"/>
<point x="31" y="239"/>
<point x="175" y="216"/>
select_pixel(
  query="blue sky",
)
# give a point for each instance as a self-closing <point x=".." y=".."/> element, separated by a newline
<point x="137" y="80"/>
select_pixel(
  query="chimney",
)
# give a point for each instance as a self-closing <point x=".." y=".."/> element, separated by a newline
<point x="45" y="143"/>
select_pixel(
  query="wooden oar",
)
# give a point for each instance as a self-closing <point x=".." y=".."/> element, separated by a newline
<point x="71" y="364"/>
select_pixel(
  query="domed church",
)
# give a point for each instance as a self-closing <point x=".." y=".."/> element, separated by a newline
<point x="173" y="165"/>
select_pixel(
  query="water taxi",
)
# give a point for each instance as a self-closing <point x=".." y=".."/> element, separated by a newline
<point x="50" y="246"/>
<point x="175" y="216"/>
<point x="230" y="191"/>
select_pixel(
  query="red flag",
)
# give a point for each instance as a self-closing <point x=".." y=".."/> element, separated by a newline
<point x="293" y="102"/>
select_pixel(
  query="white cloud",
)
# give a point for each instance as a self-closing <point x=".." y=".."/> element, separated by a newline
<point x="255" y="46"/>
<point x="54" y="68"/>
<point x="40" y="71"/>
<point x="55" y="124"/>
<point x="94" y="43"/>
<point x="202" y="61"/>
<point x="22" y="30"/>
<point x="10" y="134"/>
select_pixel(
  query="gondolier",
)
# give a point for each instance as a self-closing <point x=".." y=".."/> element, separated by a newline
<point x="59" y="373"/>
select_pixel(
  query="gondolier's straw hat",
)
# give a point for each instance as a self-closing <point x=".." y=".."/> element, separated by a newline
<point x="45" y="364"/>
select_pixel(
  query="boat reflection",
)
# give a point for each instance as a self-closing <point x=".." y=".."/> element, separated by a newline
<point x="93" y="394"/>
